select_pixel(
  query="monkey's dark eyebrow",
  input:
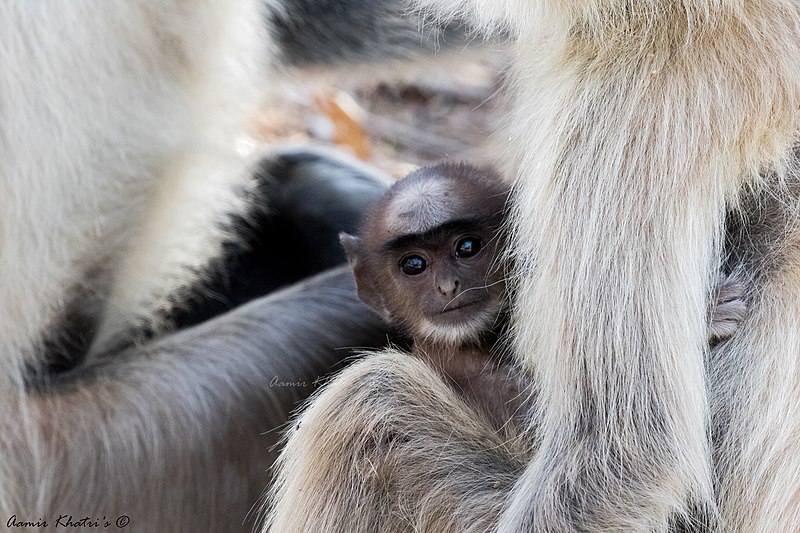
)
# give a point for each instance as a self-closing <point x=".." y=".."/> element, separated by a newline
<point x="435" y="234"/>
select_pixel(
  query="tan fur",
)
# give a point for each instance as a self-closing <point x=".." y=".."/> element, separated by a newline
<point x="755" y="378"/>
<point x="381" y="471"/>
<point x="657" y="120"/>
<point x="637" y="125"/>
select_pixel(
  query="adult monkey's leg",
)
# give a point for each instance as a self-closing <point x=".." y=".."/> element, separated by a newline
<point x="755" y="378"/>
<point x="634" y="125"/>
<point x="173" y="434"/>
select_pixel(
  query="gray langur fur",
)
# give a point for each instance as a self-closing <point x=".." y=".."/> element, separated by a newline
<point x="637" y="127"/>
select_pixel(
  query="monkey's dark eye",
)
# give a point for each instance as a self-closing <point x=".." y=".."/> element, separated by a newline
<point x="413" y="265"/>
<point x="468" y="246"/>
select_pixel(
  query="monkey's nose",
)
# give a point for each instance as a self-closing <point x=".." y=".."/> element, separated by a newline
<point x="448" y="288"/>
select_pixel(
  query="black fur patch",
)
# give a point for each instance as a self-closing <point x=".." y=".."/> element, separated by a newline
<point x="304" y="198"/>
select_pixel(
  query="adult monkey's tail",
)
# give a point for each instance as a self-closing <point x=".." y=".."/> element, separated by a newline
<point x="635" y="124"/>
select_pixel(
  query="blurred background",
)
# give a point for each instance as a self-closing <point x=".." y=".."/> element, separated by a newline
<point x="400" y="116"/>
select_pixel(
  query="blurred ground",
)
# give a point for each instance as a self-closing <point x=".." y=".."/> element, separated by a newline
<point x="398" y="117"/>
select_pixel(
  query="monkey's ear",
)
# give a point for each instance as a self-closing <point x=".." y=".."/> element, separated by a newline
<point x="365" y="283"/>
<point x="352" y="247"/>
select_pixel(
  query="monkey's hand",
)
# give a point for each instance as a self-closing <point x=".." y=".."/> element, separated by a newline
<point x="726" y="309"/>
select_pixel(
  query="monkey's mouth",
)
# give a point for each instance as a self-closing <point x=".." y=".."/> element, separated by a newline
<point x="458" y="307"/>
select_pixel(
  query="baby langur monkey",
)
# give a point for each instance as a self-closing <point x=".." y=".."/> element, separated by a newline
<point x="428" y="260"/>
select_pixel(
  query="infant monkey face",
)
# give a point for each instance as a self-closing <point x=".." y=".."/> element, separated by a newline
<point x="454" y="279"/>
<point x="426" y="257"/>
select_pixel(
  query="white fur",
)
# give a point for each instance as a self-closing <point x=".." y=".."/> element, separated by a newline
<point x="420" y="207"/>
<point x="488" y="15"/>
<point x="455" y="335"/>
<point x="118" y="170"/>
<point x="130" y="119"/>
<point x="640" y="150"/>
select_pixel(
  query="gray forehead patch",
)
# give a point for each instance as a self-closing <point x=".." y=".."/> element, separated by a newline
<point x="422" y="206"/>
